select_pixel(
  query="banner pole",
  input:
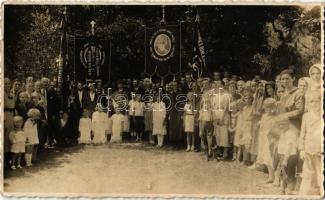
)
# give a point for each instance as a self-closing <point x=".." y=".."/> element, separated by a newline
<point x="109" y="67"/>
<point x="145" y="49"/>
<point x="180" y="46"/>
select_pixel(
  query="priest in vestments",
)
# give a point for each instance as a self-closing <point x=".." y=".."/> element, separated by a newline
<point x="175" y="113"/>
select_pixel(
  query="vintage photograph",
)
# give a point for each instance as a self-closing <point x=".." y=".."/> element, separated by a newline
<point x="162" y="100"/>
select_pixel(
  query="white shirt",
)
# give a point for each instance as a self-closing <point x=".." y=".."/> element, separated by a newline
<point x="136" y="108"/>
<point x="80" y="97"/>
<point x="92" y="96"/>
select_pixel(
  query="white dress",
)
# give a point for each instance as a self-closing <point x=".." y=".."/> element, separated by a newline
<point x="30" y="129"/>
<point x="264" y="152"/>
<point x="84" y="129"/>
<point x="188" y="118"/>
<point x="99" y="125"/>
<point x="158" y="118"/>
<point x="117" y="122"/>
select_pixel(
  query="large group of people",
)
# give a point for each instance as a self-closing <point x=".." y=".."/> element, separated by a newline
<point x="256" y="123"/>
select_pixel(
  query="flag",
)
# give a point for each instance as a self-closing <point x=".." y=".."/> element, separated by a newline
<point x="63" y="55"/>
<point x="198" y="63"/>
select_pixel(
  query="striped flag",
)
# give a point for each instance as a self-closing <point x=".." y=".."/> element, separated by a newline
<point x="63" y="55"/>
<point x="198" y="63"/>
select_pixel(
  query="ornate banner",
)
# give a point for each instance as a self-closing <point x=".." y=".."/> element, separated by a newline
<point x="163" y="50"/>
<point x="92" y="59"/>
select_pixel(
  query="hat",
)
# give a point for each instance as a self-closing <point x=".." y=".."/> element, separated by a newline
<point x="91" y="84"/>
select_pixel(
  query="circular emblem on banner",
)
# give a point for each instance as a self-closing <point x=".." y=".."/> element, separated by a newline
<point x="162" y="45"/>
<point x="92" y="55"/>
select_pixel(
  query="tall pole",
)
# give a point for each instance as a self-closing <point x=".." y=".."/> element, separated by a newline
<point x="61" y="60"/>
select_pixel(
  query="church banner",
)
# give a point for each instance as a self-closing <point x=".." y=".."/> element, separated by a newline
<point x="162" y="48"/>
<point x="92" y="59"/>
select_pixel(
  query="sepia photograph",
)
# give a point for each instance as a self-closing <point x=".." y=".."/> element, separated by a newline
<point x="146" y="100"/>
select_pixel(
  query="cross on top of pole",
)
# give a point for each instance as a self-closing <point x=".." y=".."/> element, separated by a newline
<point x="93" y="23"/>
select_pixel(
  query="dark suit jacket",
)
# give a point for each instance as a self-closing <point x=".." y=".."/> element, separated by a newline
<point x="53" y="103"/>
<point x="83" y="101"/>
<point x="21" y="110"/>
<point x="90" y="105"/>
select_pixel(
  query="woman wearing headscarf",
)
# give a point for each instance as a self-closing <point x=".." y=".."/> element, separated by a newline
<point x="314" y="81"/>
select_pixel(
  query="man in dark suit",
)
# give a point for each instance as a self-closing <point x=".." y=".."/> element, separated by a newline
<point x="52" y="109"/>
<point x="80" y="95"/>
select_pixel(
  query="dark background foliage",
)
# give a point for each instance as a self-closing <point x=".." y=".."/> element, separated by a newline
<point x="245" y="40"/>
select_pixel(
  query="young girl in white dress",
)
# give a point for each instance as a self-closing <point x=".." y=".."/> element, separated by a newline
<point x="234" y="127"/>
<point x="17" y="139"/>
<point x="117" y="123"/>
<point x="266" y="124"/>
<point x="85" y="128"/>
<point x="245" y="128"/>
<point x="159" y="120"/>
<point x="189" y="122"/>
<point x="99" y="125"/>
<point x="30" y="129"/>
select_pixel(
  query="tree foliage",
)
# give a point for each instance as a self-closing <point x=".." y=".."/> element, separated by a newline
<point x="293" y="40"/>
<point x="241" y="39"/>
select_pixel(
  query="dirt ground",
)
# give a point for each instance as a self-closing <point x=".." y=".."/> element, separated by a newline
<point x="134" y="168"/>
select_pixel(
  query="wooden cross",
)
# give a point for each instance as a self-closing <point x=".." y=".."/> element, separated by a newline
<point x="93" y="23"/>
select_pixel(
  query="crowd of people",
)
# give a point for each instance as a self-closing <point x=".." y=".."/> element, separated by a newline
<point x="256" y="123"/>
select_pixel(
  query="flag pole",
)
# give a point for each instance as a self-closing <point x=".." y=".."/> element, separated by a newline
<point x="61" y="59"/>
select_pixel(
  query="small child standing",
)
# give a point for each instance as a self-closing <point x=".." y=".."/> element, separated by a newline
<point x="159" y="120"/>
<point x="30" y="129"/>
<point x="189" y="122"/>
<point x="234" y="127"/>
<point x="287" y="150"/>
<point x="117" y="123"/>
<point x="311" y="146"/>
<point x="99" y="125"/>
<point x="136" y="114"/>
<point x="84" y="128"/>
<point x="17" y="139"/>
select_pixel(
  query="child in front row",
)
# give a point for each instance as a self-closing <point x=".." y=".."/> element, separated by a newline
<point x="311" y="146"/>
<point x="117" y="123"/>
<point x="287" y="150"/>
<point x="159" y="120"/>
<point x="189" y="122"/>
<point x="100" y="125"/>
<point x="17" y="139"/>
<point x="136" y="116"/>
<point x="84" y="128"/>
